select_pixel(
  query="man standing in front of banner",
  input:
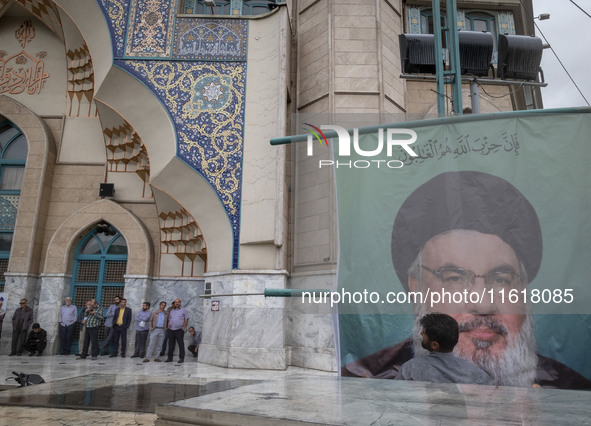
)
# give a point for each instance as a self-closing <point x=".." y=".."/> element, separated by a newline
<point x="475" y="231"/>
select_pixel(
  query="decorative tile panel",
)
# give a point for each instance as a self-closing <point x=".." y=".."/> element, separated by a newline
<point x="188" y="7"/>
<point x="8" y="210"/>
<point x="461" y="15"/>
<point x="210" y="39"/>
<point x="151" y="27"/>
<point x="505" y="23"/>
<point x="206" y="103"/>
<point x="116" y="13"/>
<point x="236" y="7"/>
<point x="414" y="20"/>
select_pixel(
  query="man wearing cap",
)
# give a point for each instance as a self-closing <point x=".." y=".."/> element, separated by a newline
<point x="475" y="231"/>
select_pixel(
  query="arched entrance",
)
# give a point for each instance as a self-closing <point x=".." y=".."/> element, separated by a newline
<point x="100" y="262"/>
<point x="13" y="155"/>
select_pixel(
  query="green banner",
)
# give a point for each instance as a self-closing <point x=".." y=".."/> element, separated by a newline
<point x="504" y="199"/>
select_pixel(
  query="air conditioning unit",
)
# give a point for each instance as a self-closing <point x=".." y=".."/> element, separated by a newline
<point x="209" y="3"/>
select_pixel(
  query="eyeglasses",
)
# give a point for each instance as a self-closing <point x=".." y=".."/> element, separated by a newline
<point x="460" y="277"/>
<point x="21" y="303"/>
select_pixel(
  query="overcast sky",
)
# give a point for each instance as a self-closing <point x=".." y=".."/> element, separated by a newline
<point x="568" y="31"/>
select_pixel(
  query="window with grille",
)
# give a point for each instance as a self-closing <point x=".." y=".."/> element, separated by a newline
<point x="13" y="156"/>
<point x="88" y="271"/>
<point x="224" y="7"/>
<point x="481" y="21"/>
<point x="100" y="263"/>
<point x="115" y="269"/>
<point x="199" y="7"/>
<point x="258" y="7"/>
<point x="3" y="268"/>
<point x="428" y="27"/>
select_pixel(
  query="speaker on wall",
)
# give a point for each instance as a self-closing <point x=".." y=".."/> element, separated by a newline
<point x="107" y="190"/>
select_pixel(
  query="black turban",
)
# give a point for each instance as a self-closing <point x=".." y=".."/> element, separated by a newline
<point x="471" y="201"/>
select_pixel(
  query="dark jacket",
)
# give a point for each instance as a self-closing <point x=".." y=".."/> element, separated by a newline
<point x="39" y="337"/>
<point x="27" y="318"/>
<point x="126" y="317"/>
<point x="385" y="364"/>
<point x="2" y="315"/>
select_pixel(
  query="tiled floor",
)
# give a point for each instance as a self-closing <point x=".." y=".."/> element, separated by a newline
<point x="120" y="387"/>
<point x="116" y="391"/>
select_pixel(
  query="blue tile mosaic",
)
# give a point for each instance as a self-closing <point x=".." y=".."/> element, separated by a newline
<point x="506" y="24"/>
<point x="206" y="102"/>
<point x="236" y="7"/>
<point x="116" y="14"/>
<point x="205" y="39"/>
<point x="461" y="20"/>
<point x="414" y="20"/>
<point x="151" y="27"/>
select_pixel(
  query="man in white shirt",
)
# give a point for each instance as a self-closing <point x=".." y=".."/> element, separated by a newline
<point x="67" y="321"/>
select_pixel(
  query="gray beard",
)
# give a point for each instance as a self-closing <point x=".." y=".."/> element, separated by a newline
<point x="517" y="365"/>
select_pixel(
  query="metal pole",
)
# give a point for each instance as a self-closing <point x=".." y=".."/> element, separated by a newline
<point x="453" y="48"/>
<point x="475" y="96"/>
<point x="272" y="292"/>
<point x="438" y="58"/>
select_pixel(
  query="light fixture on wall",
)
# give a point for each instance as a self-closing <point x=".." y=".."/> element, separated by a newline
<point x="104" y="228"/>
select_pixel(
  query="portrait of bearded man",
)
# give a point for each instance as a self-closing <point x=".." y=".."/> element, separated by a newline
<point x="475" y="231"/>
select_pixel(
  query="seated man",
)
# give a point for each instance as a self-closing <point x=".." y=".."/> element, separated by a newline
<point x="37" y="340"/>
<point x="194" y="341"/>
<point x="440" y="334"/>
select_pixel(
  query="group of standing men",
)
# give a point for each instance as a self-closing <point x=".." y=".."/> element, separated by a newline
<point x="161" y="326"/>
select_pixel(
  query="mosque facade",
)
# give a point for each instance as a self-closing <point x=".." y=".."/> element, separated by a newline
<point x="135" y="154"/>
